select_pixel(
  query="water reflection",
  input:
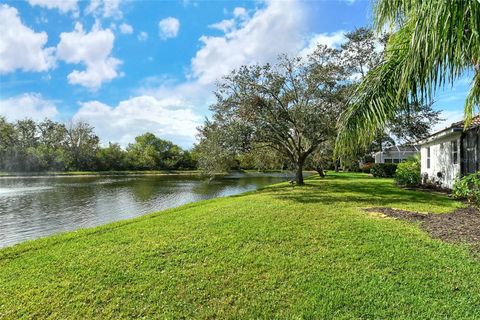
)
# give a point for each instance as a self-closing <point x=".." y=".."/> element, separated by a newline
<point x="34" y="207"/>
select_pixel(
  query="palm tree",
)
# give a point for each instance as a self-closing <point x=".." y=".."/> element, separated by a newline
<point x="434" y="42"/>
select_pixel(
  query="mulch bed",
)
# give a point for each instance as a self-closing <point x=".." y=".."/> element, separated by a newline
<point x="463" y="225"/>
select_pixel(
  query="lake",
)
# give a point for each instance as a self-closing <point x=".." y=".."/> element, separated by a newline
<point x="34" y="207"/>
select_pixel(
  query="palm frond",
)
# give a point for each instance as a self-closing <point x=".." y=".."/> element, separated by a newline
<point x="436" y="42"/>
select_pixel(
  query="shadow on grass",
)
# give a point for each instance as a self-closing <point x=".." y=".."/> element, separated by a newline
<point x="361" y="190"/>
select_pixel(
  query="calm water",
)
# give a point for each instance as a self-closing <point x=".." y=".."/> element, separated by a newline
<point x="35" y="207"/>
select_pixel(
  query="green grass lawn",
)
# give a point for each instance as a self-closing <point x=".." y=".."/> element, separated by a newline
<point x="311" y="252"/>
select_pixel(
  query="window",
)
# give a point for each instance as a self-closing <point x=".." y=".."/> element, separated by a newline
<point x="428" y="158"/>
<point x="455" y="151"/>
<point x="396" y="160"/>
<point x="388" y="160"/>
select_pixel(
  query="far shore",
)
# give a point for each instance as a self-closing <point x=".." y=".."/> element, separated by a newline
<point x="86" y="174"/>
<point x="99" y="173"/>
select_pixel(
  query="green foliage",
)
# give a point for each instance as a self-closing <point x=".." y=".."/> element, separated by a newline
<point x="468" y="188"/>
<point x="81" y="146"/>
<point x="408" y="172"/>
<point x="366" y="167"/>
<point x="112" y="157"/>
<point x="435" y="43"/>
<point x="383" y="170"/>
<point x="152" y="153"/>
<point x="27" y="146"/>
<point x="290" y="107"/>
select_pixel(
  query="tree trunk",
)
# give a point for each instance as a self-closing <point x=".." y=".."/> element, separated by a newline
<point x="320" y="171"/>
<point x="299" y="174"/>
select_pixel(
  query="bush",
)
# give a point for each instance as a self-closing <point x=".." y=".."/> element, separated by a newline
<point x="408" y="173"/>
<point x="383" y="170"/>
<point x="366" y="167"/>
<point x="354" y="167"/>
<point x="468" y="188"/>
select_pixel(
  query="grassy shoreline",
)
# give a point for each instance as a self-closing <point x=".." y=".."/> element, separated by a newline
<point x="280" y="252"/>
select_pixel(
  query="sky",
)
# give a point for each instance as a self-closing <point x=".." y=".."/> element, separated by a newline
<point x="128" y="67"/>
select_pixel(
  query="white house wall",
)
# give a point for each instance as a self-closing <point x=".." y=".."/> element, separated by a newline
<point x="441" y="160"/>
<point x="399" y="155"/>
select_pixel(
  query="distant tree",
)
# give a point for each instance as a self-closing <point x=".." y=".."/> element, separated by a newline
<point x="112" y="157"/>
<point x="25" y="156"/>
<point x="214" y="152"/>
<point x="415" y="122"/>
<point x="187" y="160"/>
<point x="51" y="144"/>
<point x="150" y="152"/>
<point x="48" y="145"/>
<point x="362" y="51"/>
<point x="8" y="141"/>
<point x="290" y="107"/>
<point x="81" y="146"/>
<point x="27" y="133"/>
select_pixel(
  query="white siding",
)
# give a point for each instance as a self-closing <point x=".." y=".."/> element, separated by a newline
<point x="441" y="160"/>
<point x="393" y="156"/>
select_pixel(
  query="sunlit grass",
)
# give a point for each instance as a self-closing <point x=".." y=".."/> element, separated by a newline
<point x="282" y="252"/>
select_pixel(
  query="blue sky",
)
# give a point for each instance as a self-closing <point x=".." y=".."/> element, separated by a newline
<point x="128" y="66"/>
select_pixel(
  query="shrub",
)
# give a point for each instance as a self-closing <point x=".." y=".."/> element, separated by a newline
<point x="383" y="170"/>
<point x="366" y="167"/>
<point x="468" y="188"/>
<point x="408" y="172"/>
<point x="354" y="167"/>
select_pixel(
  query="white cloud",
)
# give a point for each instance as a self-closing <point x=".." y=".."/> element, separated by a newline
<point x="142" y="36"/>
<point x="63" y="6"/>
<point x="226" y="25"/>
<point x="105" y="9"/>
<point x="91" y="49"/>
<point x="168" y="118"/>
<point x="277" y="28"/>
<point x="168" y="28"/>
<point x="164" y="106"/>
<point x="240" y="12"/>
<point x="28" y="105"/>
<point x="21" y="47"/>
<point x="449" y="117"/>
<point x="126" y="28"/>
<point x="187" y="3"/>
<point x="332" y="40"/>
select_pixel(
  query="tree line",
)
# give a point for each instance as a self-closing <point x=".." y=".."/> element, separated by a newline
<point x="29" y="146"/>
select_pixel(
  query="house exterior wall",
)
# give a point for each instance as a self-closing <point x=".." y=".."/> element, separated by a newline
<point x="393" y="156"/>
<point x="442" y="168"/>
<point x="471" y="151"/>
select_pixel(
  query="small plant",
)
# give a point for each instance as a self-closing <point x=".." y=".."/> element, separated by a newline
<point x="468" y="188"/>
<point x="408" y="172"/>
<point x="383" y="170"/>
<point x="366" y="167"/>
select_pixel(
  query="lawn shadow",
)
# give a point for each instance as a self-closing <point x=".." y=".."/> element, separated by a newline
<point x="361" y="190"/>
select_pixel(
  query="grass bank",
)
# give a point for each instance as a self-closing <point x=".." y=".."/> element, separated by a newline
<point x="307" y="252"/>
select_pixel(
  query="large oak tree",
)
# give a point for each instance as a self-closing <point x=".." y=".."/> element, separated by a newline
<point x="291" y="107"/>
